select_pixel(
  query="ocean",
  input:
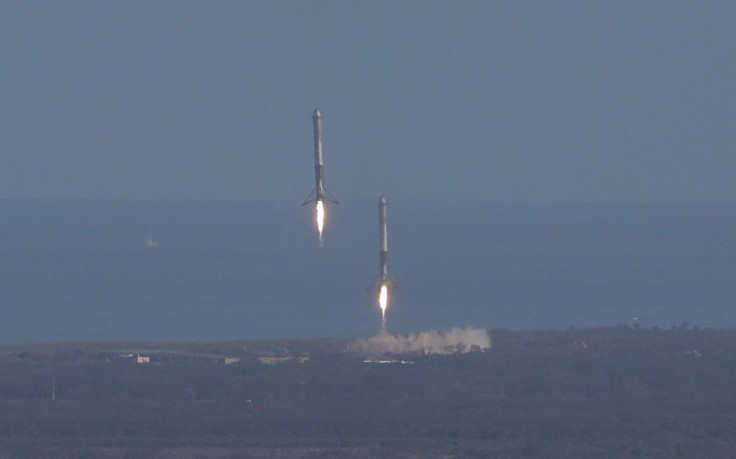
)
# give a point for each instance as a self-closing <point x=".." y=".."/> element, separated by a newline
<point x="222" y="270"/>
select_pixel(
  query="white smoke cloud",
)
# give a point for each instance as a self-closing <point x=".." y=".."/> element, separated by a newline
<point x="456" y="340"/>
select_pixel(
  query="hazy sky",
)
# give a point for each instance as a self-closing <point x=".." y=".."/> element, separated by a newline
<point x="494" y="101"/>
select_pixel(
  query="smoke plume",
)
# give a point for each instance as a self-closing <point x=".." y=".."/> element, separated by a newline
<point x="456" y="340"/>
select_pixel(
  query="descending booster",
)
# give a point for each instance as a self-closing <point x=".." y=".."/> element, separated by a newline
<point x="319" y="193"/>
<point x="383" y="234"/>
<point x="383" y="278"/>
<point x="383" y="282"/>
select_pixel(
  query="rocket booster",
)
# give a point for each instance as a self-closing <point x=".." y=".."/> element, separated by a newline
<point x="319" y="193"/>
<point x="319" y="173"/>
<point x="383" y="277"/>
<point x="383" y="236"/>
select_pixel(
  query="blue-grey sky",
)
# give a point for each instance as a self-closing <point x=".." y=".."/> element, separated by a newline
<point x="474" y="100"/>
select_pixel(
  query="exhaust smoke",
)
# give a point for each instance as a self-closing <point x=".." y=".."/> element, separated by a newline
<point x="456" y="340"/>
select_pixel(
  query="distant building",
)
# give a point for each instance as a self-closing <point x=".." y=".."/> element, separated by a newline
<point x="143" y="358"/>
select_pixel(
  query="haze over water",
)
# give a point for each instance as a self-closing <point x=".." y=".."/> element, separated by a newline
<point x="80" y="271"/>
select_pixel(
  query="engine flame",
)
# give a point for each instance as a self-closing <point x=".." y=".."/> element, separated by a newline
<point x="383" y="302"/>
<point x="320" y="211"/>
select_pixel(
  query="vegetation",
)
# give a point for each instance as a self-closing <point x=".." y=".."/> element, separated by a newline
<point x="612" y="392"/>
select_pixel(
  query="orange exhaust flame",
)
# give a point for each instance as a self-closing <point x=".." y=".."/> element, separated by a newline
<point x="383" y="302"/>
<point x="320" y="210"/>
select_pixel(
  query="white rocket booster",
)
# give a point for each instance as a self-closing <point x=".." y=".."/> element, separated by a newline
<point x="319" y="193"/>
<point x="383" y="277"/>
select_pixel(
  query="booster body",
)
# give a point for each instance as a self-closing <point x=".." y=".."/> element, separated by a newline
<point x="319" y="193"/>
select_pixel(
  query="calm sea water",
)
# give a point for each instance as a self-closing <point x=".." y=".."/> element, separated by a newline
<point x="80" y="270"/>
